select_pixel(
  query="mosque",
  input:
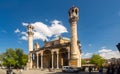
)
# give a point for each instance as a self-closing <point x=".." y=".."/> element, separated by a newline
<point x="57" y="52"/>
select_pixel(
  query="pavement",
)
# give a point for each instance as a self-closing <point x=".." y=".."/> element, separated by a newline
<point x="2" y="71"/>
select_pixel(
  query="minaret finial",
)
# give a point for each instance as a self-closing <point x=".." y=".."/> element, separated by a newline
<point x="73" y="14"/>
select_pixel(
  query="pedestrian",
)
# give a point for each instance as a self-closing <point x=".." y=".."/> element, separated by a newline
<point x="90" y="69"/>
<point x="110" y="70"/>
<point x="101" y="70"/>
<point x="118" y="70"/>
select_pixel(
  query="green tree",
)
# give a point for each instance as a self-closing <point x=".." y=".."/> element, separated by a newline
<point x="21" y="57"/>
<point x="16" y="58"/>
<point x="97" y="60"/>
<point x="9" y="59"/>
<point x="2" y="55"/>
<point x="83" y="61"/>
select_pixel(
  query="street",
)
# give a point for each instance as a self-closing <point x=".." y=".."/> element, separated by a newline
<point x="44" y="72"/>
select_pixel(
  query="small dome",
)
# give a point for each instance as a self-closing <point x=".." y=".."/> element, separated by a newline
<point x="57" y="38"/>
<point x="36" y="46"/>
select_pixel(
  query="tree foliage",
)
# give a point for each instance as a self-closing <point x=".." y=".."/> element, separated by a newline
<point x="83" y="61"/>
<point x="16" y="58"/>
<point x="97" y="60"/>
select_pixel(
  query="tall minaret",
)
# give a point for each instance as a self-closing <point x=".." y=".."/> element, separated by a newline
<point x="30" y="37"/>
<point x="30" y="45"/>
<point x="75" y="52"/>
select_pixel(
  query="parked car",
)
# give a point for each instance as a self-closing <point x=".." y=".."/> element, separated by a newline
<point x="69" y="69"/>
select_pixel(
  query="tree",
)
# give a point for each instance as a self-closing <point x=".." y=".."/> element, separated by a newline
<point x="83" y="61"/>
<point x="2" y="55"/>
<point x="97" y="60"/>
<point x="21" y="58"/>
<point x="9" y="59"/>
<point x="16" y="58"/>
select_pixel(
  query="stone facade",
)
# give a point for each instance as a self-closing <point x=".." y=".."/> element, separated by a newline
<point x="58" y="52"/>
<point x="75" y="60"/>
<point x="30" y="44"/>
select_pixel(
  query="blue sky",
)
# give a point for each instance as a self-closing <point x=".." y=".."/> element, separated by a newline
<point x="98" y="26"/>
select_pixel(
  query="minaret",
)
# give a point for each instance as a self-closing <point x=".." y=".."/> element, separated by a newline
<point x="30" y="37"/>
<point x="75" y="52"/>
<point x="30" y="45"/>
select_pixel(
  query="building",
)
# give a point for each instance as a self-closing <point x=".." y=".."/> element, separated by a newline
<point x="58" y="52"/>
<point x="118" y="46"/>
<point x="114" y="61"/>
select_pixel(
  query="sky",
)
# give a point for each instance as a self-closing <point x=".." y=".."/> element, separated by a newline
<point x="98" y="25"/>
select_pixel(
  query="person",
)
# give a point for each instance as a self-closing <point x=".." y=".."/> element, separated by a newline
<point x="118" y="70"/>
<point x="49" y="69"/>
<point x="110" y="70"/>
<point x="101" y="70"/>
<point x="90" y="69"/>
<point x="9" y="71"/>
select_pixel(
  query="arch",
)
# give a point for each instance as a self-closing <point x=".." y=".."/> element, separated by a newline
<point x="76" y="11"/>
<point x="47" y="59"/>
<point x="46" y="52"/>
<point x="63" y="59"/>
<point x="34" y="59"/>
<point x="72" y="10"/>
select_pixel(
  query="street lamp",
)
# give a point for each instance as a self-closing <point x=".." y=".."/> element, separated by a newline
<point x="118" y="46"/>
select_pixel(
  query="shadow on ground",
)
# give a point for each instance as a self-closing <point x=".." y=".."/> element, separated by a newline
<point x="76" y="73"/>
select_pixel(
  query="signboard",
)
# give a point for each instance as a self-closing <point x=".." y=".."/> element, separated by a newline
<point x="73" y="62"/>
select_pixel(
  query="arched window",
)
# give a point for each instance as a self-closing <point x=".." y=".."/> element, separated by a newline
<point x="76" y="11"/>
<point x="33" y="56"/>
<point x="72" y="10"/>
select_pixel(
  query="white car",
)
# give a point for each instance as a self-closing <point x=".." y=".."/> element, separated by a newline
<point x="69" y="69"/>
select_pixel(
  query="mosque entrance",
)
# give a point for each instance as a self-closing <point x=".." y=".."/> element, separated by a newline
<point x="63" y="53"/>
<point x="47" y="59"/>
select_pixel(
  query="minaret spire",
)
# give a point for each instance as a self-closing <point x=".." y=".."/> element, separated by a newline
<point x="30" y="45"/>
<point x="30" y="37"/>
<point x="75" y="52"/>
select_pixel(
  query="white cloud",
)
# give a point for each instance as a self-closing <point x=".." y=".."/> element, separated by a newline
<point x="43" y="31"/>
<point x="38" y="35"/>
<point x="104" y="50"/>
<point x="24" y="38"/>
<point x="87" y="55"/>
<point x="24" y="33"/>
<point x="17" y="30"/>
<point x="57" y="28"/>
<point x="25" y="24"/>
<point x="108" y="53"/>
